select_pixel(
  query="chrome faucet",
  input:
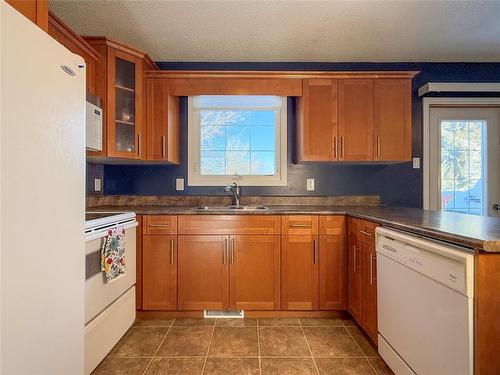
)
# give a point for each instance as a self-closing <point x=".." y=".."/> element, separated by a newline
<point x="235" y="189"/>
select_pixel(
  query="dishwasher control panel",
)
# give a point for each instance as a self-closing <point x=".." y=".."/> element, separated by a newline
<point x="449" y="271"/>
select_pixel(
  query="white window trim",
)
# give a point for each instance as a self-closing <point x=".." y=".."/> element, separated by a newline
<point x="428" y="103"/>
<point x="194" y="177"/>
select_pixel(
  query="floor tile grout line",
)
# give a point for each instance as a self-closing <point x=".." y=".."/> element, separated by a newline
<point x="362" y="352"/>
<point x="209" y="345"/>
<point x="158" y="348"/>
<point x="309" y="347"/>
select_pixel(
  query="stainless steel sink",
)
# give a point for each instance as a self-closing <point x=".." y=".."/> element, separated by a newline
<point x="233" y="208"/>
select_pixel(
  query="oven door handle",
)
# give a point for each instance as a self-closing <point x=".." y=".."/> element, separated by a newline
<point x="104" y="232"/>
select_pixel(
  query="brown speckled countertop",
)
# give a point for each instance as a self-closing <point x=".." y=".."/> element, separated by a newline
<point x="474" y="232"/>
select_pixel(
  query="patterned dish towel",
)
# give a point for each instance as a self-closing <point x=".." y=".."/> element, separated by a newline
<point x="113" y="254"/>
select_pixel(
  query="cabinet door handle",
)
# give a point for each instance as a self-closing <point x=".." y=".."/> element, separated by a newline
<point x="159" y="225"/>
<point x="335" y="147"/>
<point x="224" y="250"/>
<point x="315" y="251"/>
<point x="354" y="258"/>
<point x="232" y="250"/>
<point x="300" y="226"/>
<point x="139" y="144"/>
<point x="342" y="147"/>
<point x="163" y="147"/>
<point x="371" y="269"/>
<point x="378" y="147"/>
<point x="172" y="251"/>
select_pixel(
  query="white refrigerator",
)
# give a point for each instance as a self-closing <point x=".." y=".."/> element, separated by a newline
<point x="42" y="167"/>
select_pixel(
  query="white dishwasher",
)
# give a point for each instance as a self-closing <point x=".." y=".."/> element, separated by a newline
<point x="425" y="305"/>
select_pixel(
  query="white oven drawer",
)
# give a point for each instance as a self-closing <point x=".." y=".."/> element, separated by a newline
<point x="102" y="333"/>
<point x="98" y="293"/>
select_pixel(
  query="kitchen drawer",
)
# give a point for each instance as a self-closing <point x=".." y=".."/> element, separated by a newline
<point x="229" y="224"/>
<point x="160" y="224"/>
<point x="367" y="232"/>
<point x="299" y="225"/>
<point x="332" y="225"/>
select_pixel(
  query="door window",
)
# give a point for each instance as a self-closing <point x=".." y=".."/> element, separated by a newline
<point x="462" y="166"/>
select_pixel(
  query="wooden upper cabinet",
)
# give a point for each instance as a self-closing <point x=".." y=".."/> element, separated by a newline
<point x="162" y="118"/>
<point x="317" y="120"/>
<point x="203" y="272"/>
<point x="299" y="263"/>
<point x="254" y="267"/>
<point x="332" y="263"/>
<point x="356" y="119"/>
<point x="120" y="85"/>
<point x="76" y="44"/>
<point x="392" y="119"/>
<point x="37" y="11"/>
<point x="159" y="262"/>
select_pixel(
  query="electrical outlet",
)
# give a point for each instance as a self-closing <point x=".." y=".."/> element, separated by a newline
<point x="416" y="163"/>
<point x="310" y="184"/>
<point x="179" y="184"/>
<point x="97" y="184"/>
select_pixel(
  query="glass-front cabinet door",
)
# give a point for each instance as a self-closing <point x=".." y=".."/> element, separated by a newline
<point x="124" y="105"/>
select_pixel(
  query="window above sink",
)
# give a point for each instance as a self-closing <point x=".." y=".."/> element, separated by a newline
<point x="237" y="138"/>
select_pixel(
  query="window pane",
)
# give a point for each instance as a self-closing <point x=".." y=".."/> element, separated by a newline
<point x="475" y="165"/>
<point x="212" y="118"/>
<point x="475" y="130"/>
<point x="237" y="162"/>
<point x="263" y="138"/>
<point x="461" y="135"/>
<point x="237" y="138"/>
<point x="212" y="138"/>
<point x="212" y="162"/>
<point x="263" y="163"/>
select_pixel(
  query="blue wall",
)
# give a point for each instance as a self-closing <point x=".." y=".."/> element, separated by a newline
<point x="397" y="184"/>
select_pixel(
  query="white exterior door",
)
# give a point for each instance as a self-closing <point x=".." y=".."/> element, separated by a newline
<point x="464" y="160"/>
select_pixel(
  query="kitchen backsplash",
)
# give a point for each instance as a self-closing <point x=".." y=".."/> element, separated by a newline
<point x="137" y="200"/>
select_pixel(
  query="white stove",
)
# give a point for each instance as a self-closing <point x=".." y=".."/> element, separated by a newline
<point x="109" y="306"/>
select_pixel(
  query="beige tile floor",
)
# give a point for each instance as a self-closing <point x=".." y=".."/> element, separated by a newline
<point x="287" y="346"/>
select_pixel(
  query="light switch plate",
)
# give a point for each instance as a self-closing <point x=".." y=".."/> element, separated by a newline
<point x="97" y="184"/>
<point x="310" y="184"/>
<point x="179" y="184"/>
<point x="416" y="163"/>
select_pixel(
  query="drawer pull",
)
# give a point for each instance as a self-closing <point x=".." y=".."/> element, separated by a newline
<point x="159" y="225"/>
<point x="300" y="226"/>
<point x="366" y="233"/>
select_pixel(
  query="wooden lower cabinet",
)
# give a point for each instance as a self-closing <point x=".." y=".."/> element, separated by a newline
<point x="362" y="275"/>
<point x="369" y="290"/>
<point x="353" y="270"/>
<point x="203" y="273"/>
<point x="332" y="270"/>
<point x="254" y="270"/>
<point x="299" y="272"/>
<point x="159" y="260"/>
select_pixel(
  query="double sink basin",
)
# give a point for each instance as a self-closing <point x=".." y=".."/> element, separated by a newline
<point x="232" y="208"/>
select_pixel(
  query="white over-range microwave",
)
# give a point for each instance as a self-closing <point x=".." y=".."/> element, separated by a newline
<point x="94" y="127"/>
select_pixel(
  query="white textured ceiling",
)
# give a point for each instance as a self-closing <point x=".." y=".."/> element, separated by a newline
<point x="320" y="31"/>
